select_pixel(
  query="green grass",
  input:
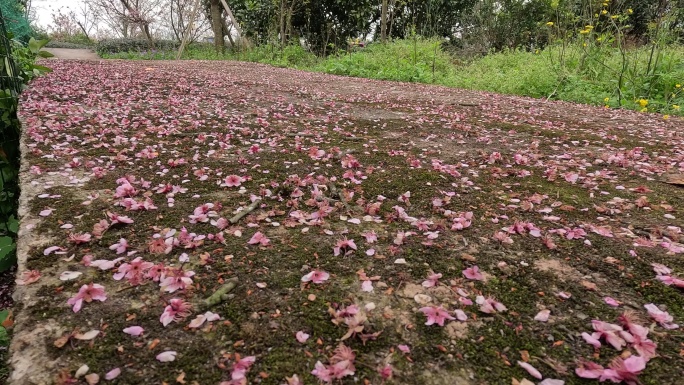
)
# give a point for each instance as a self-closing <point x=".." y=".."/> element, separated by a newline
<point x="419" y="60"/>
<point x="588" y="75"/>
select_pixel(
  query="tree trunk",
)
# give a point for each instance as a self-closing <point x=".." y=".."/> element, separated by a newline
<point x="148" y="35"/>
<point x="83" y="30"/>
<point x="144" y="25"/>
<point x="217" y="26"/>
<point x="383" y="22"/>
<point x="233" y="20"/>
<point x="227" y="31"/>
<point x="282" y="22"/>
<point x="288" y="21"/>
<point x="391" y="19"/>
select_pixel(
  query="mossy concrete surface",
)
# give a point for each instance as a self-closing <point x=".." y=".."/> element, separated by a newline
<point x="559" y="206"/>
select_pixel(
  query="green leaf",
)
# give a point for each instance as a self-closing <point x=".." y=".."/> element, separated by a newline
<point x="35" y="45"/>
<point x="8" y="67"/>
<point x="45" y="54"/>
<point x="13" y="225"/>
<point x="3" y="315"/>
<point x="42" y="69"/>
<point x="4" y="337"/>
<point x="7" y="255"/>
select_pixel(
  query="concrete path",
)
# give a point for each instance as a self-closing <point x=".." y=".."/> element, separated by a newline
<point x="73" y="54"/>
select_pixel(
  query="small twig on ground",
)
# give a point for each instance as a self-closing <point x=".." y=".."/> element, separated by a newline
<point x="130" y="287"/>
<point x="221" y="294"/>
<point x="235" y="219"/>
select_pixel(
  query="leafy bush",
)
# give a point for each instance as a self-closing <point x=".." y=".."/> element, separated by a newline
<point x="18" y="68"/>
<point x="64" y="44"/>
<point x="294" y="56"/>
<point x="114" y="46"/>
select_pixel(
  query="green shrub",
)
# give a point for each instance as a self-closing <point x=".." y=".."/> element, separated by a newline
<point x="294" y="56"/>
<point x="63" y="44"/>
<point x="17" y="68"/>
<point x="114" y="46"/>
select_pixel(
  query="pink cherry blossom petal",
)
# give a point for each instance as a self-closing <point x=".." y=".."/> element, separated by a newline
<point x="543" y="315"/>
<point x="530" y="369"/>
<point x="302" y="337"/>
<point x="167" y="356"/>
<point x="112" y="374"/>
<point x="135" y="331"/>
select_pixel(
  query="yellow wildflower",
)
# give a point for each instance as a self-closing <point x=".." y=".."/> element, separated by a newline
<point x="675" y="107"/>
<point x="644" y="110"/>
<point x="678" y="86"/>
<point x="630" y="11"/>
<point x="604" y="12"/>
<point x="643" y="102"/>
<point x="666" y="117"/>
<point x="606" y="100"/>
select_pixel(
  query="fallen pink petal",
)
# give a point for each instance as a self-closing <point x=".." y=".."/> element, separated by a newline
<point x="316" y="276"/>
<point x="302" y="337"/>
<point x="167" y="356"/>
<point x="530" y="369"/>
<point x="135" y="331"/>
<point x="543" y="316"/>
<point x="112" y="374"/>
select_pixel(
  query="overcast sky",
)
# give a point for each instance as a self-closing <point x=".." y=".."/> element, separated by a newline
<point x="45" y="7"/>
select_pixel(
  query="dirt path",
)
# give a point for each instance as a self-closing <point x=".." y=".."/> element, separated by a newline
<point x="73" y="54"/>
<point x="375" y="213"/>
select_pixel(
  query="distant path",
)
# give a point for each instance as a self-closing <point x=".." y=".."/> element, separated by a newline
<point x="73" y="54"/>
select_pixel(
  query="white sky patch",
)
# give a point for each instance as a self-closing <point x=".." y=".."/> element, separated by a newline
<point x="45" y="8"/>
